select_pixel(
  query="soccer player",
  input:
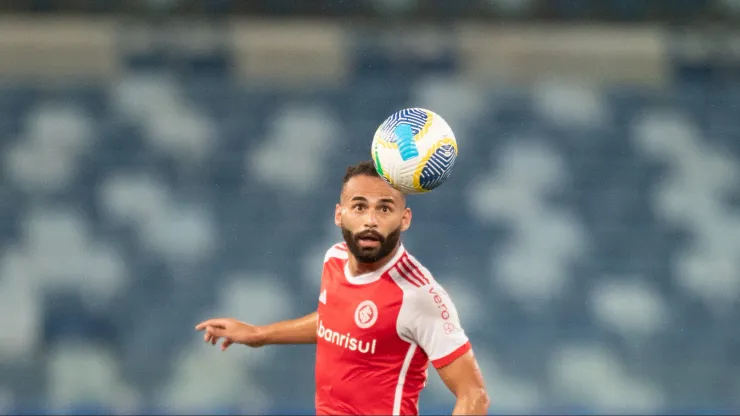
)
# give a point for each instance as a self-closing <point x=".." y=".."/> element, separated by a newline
<point x="381" y="316"/>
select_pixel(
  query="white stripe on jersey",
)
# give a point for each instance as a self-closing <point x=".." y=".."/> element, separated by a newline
<point x="336" y="252"/>
<point x="402" y="379"/>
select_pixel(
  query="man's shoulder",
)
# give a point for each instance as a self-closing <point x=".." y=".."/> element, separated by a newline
<point x="417" y="282"/>
<point x="337" y="251"/>
<point x="411" y="275"/>
<point x="426" y="304"/>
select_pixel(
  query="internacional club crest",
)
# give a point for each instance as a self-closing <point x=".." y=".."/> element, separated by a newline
<point x="366" y="314"/>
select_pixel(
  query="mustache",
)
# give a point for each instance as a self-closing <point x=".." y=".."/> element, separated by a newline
<point x="370" y="234"/>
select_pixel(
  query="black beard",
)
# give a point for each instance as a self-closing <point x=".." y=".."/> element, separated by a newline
<point x="371" y="254"/>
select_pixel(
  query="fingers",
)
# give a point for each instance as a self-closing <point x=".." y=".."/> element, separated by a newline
<point x="212" y="338"/>
<point x="226" y="344"/>
<point x="216" y="323"/>
<point x="208" y="337"/>
<point x="212" y="335"/>
<point x="215" y="332"/>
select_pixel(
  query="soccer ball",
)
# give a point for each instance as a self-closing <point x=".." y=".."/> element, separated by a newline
<point x="414" y="150"/>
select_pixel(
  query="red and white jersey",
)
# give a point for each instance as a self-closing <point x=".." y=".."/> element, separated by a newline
<point x="377" y="333"/>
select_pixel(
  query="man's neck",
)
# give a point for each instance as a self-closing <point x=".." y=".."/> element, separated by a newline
<point x="357" y="268"/>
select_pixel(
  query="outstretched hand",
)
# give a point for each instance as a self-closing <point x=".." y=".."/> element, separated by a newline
<point x="232" y="331"/>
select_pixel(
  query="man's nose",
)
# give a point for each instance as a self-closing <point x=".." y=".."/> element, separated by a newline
<point x="371" y="220"/>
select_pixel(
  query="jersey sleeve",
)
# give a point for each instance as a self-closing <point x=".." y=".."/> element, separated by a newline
<point x="436" y="327"/>
<point x="337" y="251"/>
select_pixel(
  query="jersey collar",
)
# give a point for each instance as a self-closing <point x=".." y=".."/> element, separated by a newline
<point x="367" y="278"/>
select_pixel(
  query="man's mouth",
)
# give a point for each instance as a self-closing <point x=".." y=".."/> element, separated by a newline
<point x="369" y="241"/>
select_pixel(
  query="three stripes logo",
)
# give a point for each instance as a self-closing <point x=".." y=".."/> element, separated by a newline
<point x="406" y="268"/>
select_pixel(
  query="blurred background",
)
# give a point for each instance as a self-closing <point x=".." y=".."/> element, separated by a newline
<point x="165" y="161"/>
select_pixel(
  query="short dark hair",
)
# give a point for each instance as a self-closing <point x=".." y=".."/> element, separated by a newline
<point x="366" y="167"/>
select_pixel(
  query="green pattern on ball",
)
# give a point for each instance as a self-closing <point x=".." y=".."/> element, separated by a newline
<point x="377" y="164"/>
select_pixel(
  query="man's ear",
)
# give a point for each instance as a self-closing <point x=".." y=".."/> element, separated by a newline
<point x="338" y="215"/>
<point x="406" y="219"/>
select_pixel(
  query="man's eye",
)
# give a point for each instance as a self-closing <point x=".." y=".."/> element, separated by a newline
<point x="358" y="207"/>
<point x="386" y="209"/>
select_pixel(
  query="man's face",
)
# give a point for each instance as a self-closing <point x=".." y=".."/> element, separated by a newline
<point x="372" y="216"/>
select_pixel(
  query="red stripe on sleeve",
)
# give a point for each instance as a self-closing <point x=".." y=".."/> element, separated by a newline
<point x="416" y="271"/>
<point x="409" y="273"/>
<point x="454" y="355"/>
<point x="403" y="274"/>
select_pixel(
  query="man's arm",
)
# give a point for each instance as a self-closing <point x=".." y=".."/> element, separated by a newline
<point x="464" y="379"/>
<point x="435" y="326"/>
<point x="295" y="331"/>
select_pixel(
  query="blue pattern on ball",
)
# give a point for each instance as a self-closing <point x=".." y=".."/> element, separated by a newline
<point x="414" y="118"/>
<point x="438" y="167"/>
<point x="406" y="144"/>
